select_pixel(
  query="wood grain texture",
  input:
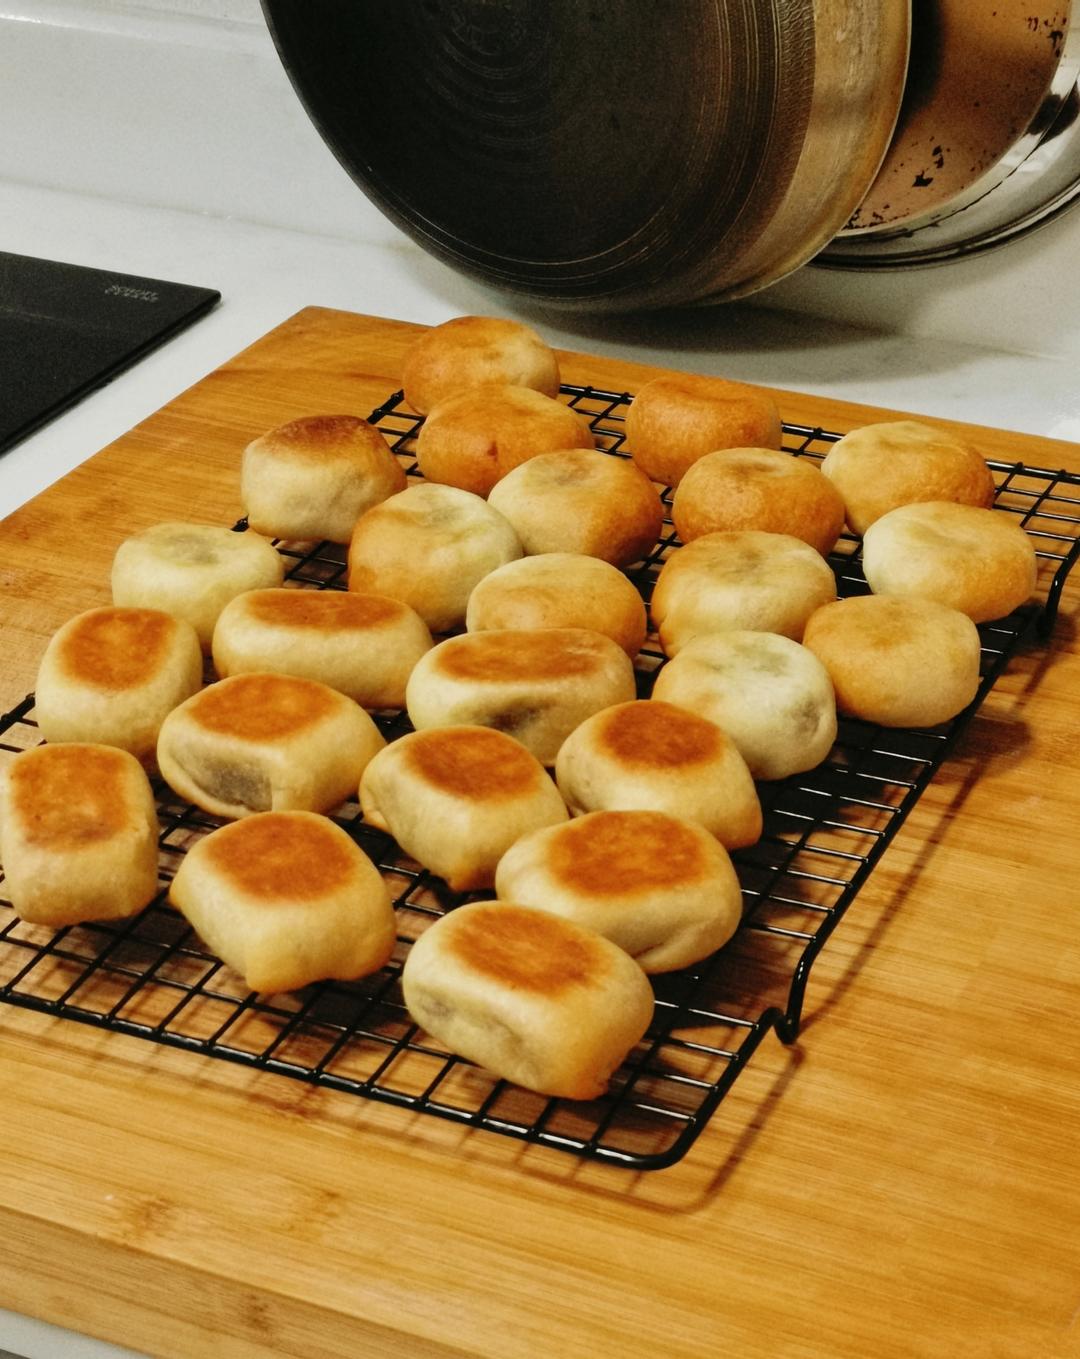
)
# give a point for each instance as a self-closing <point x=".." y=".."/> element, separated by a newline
<point x="902" y="1182"/>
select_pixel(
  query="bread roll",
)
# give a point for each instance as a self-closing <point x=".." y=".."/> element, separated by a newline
<point x="978" y="561"/>
<point x="456" y="798"/>
<point x="878" y="467"/>
<point x="536" y="686"/>
<point x="758" y="488"/>
<point x="286" y="899"/>
<point x="365" y="646"/>
<point x="428" y="547"/>
<point x="261" y="742"/>
<point x="560" y="590"/>
<point x="78" y="834"/>
<point x="475" y="437"/>
<point x="581" y="500"/>
<point x="761" y="582"/>
<point x="533" y="998"/>
<point x="772" y="696"/>
<point x="473" y="351"/>
<point x="661" y="888"/>
<point x="192" y="571"/>
<point x="314" y="477"/>
<point x="111" y="675"/>
<point x="676" y="419"/>
<point x="897" y="662"/>
<point x="647" y="755"/>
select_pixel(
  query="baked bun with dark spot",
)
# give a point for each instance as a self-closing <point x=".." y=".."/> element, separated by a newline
<point x="365" y="646"/>
<point x="475" y="351"/>
<point x="110" y="676"/>
<point x="531" y="997"/>
<point x="473" y="438"/>
<point x="582" y="500"/>
<point x="428" y="547"/>
<point x="265" y="742"/>
<point x="286" y="899"/>
<point x="78" y="834"/>
<point x="647" y="755"/>
<point x="456" y="798"/>
<point x="771" y="695"/>
<point x="313" y="478"/>
<point x="661" y="888"/>
<point x="536" y="686"/>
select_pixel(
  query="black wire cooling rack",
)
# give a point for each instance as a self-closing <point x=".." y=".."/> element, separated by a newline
<point x="151" y="977"/>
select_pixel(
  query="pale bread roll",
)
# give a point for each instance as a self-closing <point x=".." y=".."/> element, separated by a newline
<point x="78" y="835"/>
<point x="286" y="899"/>
<point x="456" y="798"/>
<point x="192" y="571"/>
<point x="536" y="686"/>
<point x="582" y="500"/>
<point x="772" y="696"/>
<point x="535" y="999"/>
<point x="474" y="351"/>
<point x="365" y="646"/>
<point x="111" y="675"/>
<point x="758" y="488"/>
<point x="560" y="590"/>
<point x="897" y="662"/>
<point x="313" y="478"/>
<point x="661" y="888"/>
<point x="676" y="419"/>
<point x="428" y="547"/>
<point x="760" y="582"/>
<point x="900" y="462"/>
<point x="263" y="742"/>
<point x="474" y="437"/>
<point x="646" y="755"/>
<point x="978" y="561"/>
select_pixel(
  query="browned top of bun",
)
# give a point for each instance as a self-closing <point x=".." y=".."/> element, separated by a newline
<point x="607" y="853"/>
<point x="527" y="950"/>
<point x="319" y="609"/>
<point x="316" y="437"/>
<point x="69" y="795"/>
<point x="652" y="734"/>
<point x="115" y="648"/>
<point x="474" y="762"/>
<point x="282" y="857"/>
<point x="508" y="656"/>
<point x="262" y="707"/>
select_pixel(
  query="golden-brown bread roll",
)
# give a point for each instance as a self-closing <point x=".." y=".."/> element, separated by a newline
<point x="897" y="662"/>
<point x="772" y="696"/>
<point x="428" y="547"/>
<point x="582" y="500"/>
<point x="760" y="582"/>
<point x="474" y="351"/>
<point x="262" y="742"/>
<point x="679" y="417"/>
<point x="286" y="899"/>
<point x="475" y="437"/>
<point x="899" y="462"/>
<point x="758" y="488"/>
<point x="647" y="755"/>
<point x="192" y="571"/>
<point x="78" y="834"/>
<point x="314" y="477"/>
<point x="536" y="686"/>
<point x="978" y="561"/>
<point x="531" y="997"/>
<point x="456" y="798"/>
<point x="560" y="590"/>
<point x="111" y="675"/>
<point x="661" y="888"/>
<point x="365" y="646"/>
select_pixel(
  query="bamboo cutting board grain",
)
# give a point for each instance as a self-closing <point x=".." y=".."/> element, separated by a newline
<point x="901" y="1183"/>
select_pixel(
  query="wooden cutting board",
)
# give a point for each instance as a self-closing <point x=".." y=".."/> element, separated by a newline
<point x="902" y="1182"/>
